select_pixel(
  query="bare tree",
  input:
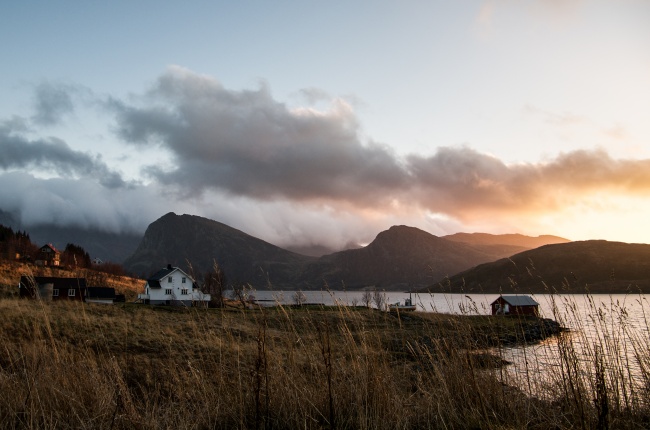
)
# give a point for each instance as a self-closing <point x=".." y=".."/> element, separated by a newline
<point x="379" y="298"/>
<point x="241" y="292"/>
<point x="366" y="298"/>
<point x="214" y="283"/>
<point x="299" y="298"/>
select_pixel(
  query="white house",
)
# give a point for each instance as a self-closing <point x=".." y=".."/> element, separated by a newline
<point x="172" y="286"/>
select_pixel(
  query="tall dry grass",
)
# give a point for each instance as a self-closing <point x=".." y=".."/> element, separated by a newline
<point x="72" y="365"/>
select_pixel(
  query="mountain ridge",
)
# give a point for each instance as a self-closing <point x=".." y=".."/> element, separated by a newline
<point x="400" y="257"/>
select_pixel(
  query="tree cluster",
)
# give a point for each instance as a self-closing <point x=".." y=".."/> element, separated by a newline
<point x="75" y="256"/>
<point x="15" y="244"/>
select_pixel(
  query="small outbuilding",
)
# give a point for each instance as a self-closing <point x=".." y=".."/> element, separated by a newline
<point x="515" y="305"/>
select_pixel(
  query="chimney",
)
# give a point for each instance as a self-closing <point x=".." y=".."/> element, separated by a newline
<point x="169" y="267"/>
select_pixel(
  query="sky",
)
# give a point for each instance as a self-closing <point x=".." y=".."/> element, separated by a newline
<point x="324" y="123"/>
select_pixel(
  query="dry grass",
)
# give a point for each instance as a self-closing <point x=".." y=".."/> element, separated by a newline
<point x="72" y="365"/>
<point x="11" y="271"/>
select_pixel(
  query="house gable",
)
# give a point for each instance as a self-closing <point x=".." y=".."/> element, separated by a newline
<point x="171" y="285"/>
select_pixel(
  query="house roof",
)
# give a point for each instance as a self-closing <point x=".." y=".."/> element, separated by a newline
<point x="518" y="300"/>
<point x="26" y="282"/>
<point x="154" y="280"/>
<point x="153" y="283"/>
<point x="49" y="245"/>
<point x="163" y="273"/>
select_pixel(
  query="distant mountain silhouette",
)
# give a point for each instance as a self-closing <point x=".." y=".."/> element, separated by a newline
<point x="597" y="266"/>
<point x="401" y="257"/>
<point x="182" y="239"/>
<point x="311" y="250"/>
<point x="504" y="245"/>
<point x="519" y="240"/>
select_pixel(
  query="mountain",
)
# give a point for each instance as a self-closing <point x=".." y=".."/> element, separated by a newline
<point x="528" y="242"/>
<point x="311" y="250"/>
<point x="504" y="245"/>
<point x="182" y="239"/>
<point x="401" y="257"/>
<point x="595" y="265"/>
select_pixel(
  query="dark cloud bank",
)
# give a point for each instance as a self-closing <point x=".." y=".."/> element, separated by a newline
<point x="246" y="144"/>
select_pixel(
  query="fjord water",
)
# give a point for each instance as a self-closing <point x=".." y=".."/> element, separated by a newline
<point x="573" y="310"/>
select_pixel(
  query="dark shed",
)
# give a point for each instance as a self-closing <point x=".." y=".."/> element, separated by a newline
<point x="55" y="288"/>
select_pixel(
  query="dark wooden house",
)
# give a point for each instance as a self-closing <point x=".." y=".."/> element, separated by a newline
<point x="52" y="288"/>
<point x="515" y="305"/>
<point x="48" y="255"/>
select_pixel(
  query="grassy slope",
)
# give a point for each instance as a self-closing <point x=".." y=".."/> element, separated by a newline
<point x="11" y="271"/>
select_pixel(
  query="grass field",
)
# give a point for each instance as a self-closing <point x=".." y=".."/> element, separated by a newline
<point x="73" y="365"/>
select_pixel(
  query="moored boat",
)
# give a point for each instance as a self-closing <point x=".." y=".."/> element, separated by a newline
<point x="408" y="306"/>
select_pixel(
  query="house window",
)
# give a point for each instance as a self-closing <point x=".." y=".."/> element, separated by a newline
<point x="169" y="279"/>
<point x="72" y="292"/>
<point x="183" y="280"/>
<point x="184" y="291"/>
<point x="168" y="291"/>
<point x="55" y="292"/>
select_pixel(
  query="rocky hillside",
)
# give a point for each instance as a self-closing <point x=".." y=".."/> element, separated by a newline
<point x="596" y="265"/>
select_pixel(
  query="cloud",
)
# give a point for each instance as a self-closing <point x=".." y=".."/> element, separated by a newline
<point x="52" y="101"/>
<point x="564" y="119"/>
<point x="248" y="144"/>
<point x="314" y="95"/>
<point x="553" y="11"/>
<point x="291" y="175"/>
<point x="55" y="156"/>
<point x="82" y="203"/>
<point x="617" y="132"/>
<point x="463" y="182"/>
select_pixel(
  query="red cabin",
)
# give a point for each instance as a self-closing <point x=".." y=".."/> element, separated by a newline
<point x="515" y="305"/>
